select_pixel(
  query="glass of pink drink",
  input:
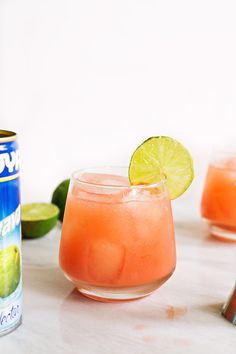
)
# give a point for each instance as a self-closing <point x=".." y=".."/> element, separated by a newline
<point x="218" y="204"/>
<point x="117" y="240"/>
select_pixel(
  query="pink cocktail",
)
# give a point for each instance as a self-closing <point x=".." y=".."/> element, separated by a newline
<point x="218" y="205"/>
<point x="117" y="241"/>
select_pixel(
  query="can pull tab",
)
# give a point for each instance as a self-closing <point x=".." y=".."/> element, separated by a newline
<point x="229" y="308"/>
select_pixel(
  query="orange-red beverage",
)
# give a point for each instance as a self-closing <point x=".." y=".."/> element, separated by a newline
<point x="117" y="241"/>
<point x="219" y="198"/>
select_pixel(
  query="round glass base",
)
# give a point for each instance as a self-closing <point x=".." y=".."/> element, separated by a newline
<point x="222" y="233"/>
<point x="105" y="294"/>
<point x="12" y="328"/>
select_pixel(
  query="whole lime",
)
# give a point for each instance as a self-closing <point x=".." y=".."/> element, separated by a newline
<point x="59" y="197"/>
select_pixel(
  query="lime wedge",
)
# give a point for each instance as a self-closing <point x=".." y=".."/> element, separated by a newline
<point x="162" y="157"/>
<point x="37" y="219"/>
<point x="59" y="197"/>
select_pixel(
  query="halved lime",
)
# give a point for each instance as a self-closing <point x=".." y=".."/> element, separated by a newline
<point x="59" y="197"/>
<point x="37" y="219"/>
<point x="162" y="157"/>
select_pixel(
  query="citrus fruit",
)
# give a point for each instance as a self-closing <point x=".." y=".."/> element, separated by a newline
<point x="162" y="157"/>
<point x="59" y="197"/>
<point x="37" y="219"/>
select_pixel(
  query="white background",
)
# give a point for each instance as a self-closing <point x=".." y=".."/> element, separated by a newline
<point x="85" y="82"/>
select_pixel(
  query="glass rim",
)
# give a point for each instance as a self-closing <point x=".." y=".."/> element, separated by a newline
<point x="219" y="156"/>
<point x="76" y="178"/>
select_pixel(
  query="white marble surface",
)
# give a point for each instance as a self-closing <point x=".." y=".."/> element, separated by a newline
<point x="181" y="317"/>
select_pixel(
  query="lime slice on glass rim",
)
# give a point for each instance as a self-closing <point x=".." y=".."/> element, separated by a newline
<point x="37" y="219"/>
<point x="162" y="157"/>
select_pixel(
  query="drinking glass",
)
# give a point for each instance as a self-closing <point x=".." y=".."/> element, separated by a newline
<point x="117" y="240"/>
<point x="218" y="204"/>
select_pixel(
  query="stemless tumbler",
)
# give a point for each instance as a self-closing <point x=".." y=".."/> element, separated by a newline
<point x="218" y="205"/>
<point x="117" y="240"/>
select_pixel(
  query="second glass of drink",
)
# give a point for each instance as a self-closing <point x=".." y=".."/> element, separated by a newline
<point x="218" y="205"/>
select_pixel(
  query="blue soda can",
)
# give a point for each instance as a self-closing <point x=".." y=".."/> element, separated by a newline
<point x="10" y="234"/>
